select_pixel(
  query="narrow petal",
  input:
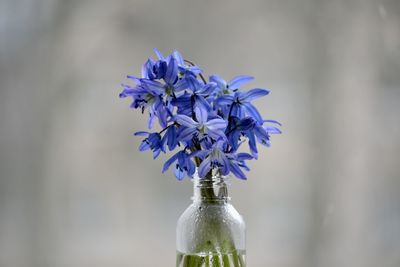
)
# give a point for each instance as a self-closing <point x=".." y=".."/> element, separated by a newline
<point x="180" y="85"/>
<point x="141" y="133"/>
<point x="237" y="110"/>
<point x="144" y="145"/>
<point x="238" y="81"/>
<point x="186" y="134"/>
<point x="261" y="133"/>
<point x="218" y="80"/>
<point x="215" y="124"/>
<point x="201" y="101"/>
<point x="201" y="113"/>
<point x="172" y="71"/>
<point x="225" y="164"/>
<point x="169" y="162"/>
<point x="185" y="121"/>
<point x="208" y="89"/>
<point x="235" y="169"/>
<point x="273" y="121"/>
<point x="147" y="69"/>
<point x="153" y="86"/>
<point x="156" y="153"/>
<point x="204" y="167"/>
<point x="273" y="130"/>
<point x="171" y="138"/>
<point x="253" y="94"/>
<point x="253" y="112"/>
<point x="193" y="83"/>
<point x="243" y="156"/>
<point x="178" y="56"/>
<point x="158" y="53"/>
<point x="252" y="145"/>
<point x="216" y="134"/>
<point x="179" y="173"/>
<point x="191" y="168"/>
<point x="224" y="100"/>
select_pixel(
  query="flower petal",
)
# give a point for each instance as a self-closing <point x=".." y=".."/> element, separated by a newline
<point x="141" y="133"/>
<point x="237" y="81"/>
<point x="273" y="121"/>
<point x="185" y="121"/>
<point x="178" y="56"/>
<point x="218" y="80"/>
<point x="153" y="86"/>
<point x="158" y="53"/>
<point x="204" y="167"/>
<point x="201" y="113"/>
<point x="200" y="101"/>
<point x="193" y="83"/>
<point x="235" y="169"/>
<point x="169" y="162"/>
<point x="172" y="71"/>
<point x="273" y="130"/>
<point x="225" y="164"/>
<point x="179" y="173"/>
<point x="216" y="134"/>
<point x="186" y="134"/>
<point x="215" y="124"/>
<point x="253" y="112"/>
<point x="144" y="145"/>
<point x="253" y="94"/>
<point x="243" y="156"/>
<point x="180" y="85"/>
<point x="224" y="100"/>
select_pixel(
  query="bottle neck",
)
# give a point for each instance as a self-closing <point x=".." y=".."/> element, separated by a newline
<point x="212" y="189"/>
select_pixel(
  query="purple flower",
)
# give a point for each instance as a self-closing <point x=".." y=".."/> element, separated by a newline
<point x="184" y="165"/>
<point x="153" y="142"/>
<point x="195" y="99"/>
<point x="216" y="158"/>
<point x="250" y="128"/>
<point x="201" y="128"/>
<point x="231" y="86"/>
<point x="169" y="137"/>
<point x="209" y="120"/>
<point x="239" y="103"/>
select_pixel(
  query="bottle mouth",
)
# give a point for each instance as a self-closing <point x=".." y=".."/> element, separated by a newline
<point x="211" y="189"/>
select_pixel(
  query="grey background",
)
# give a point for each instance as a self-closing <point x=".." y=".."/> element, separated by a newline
<point x="74" y="190"/>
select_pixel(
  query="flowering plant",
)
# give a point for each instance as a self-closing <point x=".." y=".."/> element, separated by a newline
<point x="207" y="121"/>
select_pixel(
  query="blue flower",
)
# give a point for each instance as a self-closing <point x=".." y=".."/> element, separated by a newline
<point x="154" y="69"/>
<point x="147" y="97"/>
<point x="183" y="68"/>
<point x="216" y="158"/>
<point x="239" y="103"/>
<point x="202" y="128"/>
<point x="153" y="142"/>
<point x="169" y="137"/>
<point x="194" y="99"/>
<point x="184" y="165"/>
<point x="210" y="120"/>
<point x="231" y="86"/>
<point x="251" y="129"/>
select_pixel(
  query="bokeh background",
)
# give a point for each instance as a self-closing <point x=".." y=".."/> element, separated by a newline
<point x="74" y="190"/>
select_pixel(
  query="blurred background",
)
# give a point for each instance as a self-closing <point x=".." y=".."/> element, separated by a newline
<point x="74" y="190"/>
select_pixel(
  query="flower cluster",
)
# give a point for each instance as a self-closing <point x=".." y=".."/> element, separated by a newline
<point x="207" y="121"/>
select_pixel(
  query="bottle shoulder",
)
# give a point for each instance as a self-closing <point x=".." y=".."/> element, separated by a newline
<point x="198" y="211"/>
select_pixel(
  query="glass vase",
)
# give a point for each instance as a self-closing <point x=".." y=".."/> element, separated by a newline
<point x="210" y="232"/>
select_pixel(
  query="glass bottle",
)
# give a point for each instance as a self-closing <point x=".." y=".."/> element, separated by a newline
<point x="210" y="232"/>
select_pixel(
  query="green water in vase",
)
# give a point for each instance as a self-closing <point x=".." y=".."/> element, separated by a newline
<point x="234" y="259"/>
